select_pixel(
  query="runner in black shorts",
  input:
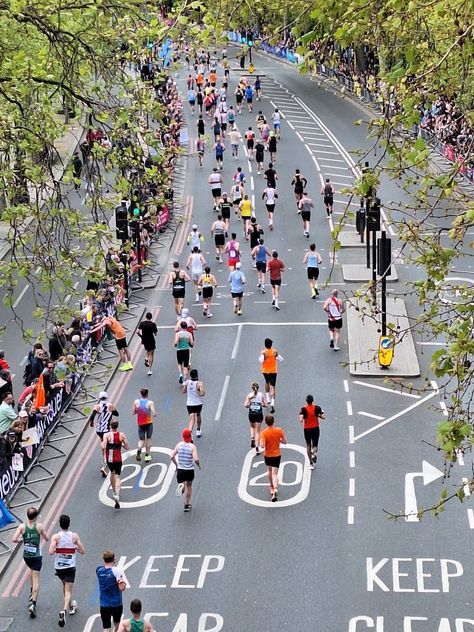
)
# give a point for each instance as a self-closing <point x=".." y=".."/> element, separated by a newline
<point x="309" y="417"/>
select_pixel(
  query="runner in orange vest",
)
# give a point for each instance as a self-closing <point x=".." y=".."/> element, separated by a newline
<point x="120" y="336"/>
<point x="269" y="359"/>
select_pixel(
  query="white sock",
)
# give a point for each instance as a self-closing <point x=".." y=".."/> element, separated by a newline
<point x="273" y="401"/>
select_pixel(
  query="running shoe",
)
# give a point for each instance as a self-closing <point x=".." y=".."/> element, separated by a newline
<point x="198" y="433"/>
<point x="62" y="618"/>
<point x="252" y="443"/>
<point x="117" y="503"/>
<point x="103" y="471"/>
<point x="277" y="307"/>
<point x="331" y="344"/>
<point x="209" y="315"/>
<point x="272" y="409"/>
<point x="32" y="610"/>
<point x="263" y="289"/>
<point x="180" y="489"/>
<point x="273" y="302"/>
<point x="181" y="378"/>
<point x="187" y="507"/>
<point x="150" y="372"/>
<point x="239" y="312"/>
<point x="274" y="496"/>
<point x="139" y="455"/>
<point x="311" y="466"/>
<point x="336" y="348"/>
<point x="124" y="367"/>
<point x="146" y="362"/>
<point x="147" y="458"/>
<point x="317" y="292"/>
<point x="73" y="607"/>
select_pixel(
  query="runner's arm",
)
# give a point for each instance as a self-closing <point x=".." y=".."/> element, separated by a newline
<point x="52" y="546"/>
<point x="18" y="535"/>
<point x="196" y="457"/>
<point x="283" y="438"/>
<point x="173" y="455"/>
<point x="42" y="532"/>
<point x="79" y="545"/>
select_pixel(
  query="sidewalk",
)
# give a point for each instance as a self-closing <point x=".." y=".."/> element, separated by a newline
<point x="65" y="148"/>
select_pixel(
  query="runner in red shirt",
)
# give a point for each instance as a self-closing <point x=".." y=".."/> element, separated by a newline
<point x="309" y="417"/>
<point x="275" y="267"/>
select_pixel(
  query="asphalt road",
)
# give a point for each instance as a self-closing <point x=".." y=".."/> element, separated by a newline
<point x="326" y="557"/>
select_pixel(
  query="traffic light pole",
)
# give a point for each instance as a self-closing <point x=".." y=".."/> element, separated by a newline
<point x="138" y="246"/>
<point x="384" y="290"/>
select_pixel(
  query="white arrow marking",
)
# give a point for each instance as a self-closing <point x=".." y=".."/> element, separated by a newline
<point x="429" y="474"/>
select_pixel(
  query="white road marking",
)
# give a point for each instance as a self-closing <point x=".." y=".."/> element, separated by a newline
<point x="349" y="407"/>
<point x="340" y="175"/>
<point x="429" y="474"/>
<point x="387" y="390"/>
<point x="443" y="407"/>
<point x="38" y="270"/>
<point x="460" y="457"/>
<point x="316" y="163"/>
<point x="252" y="184"/>
<point x="24" y="360"/>
<point x="350" y="515"/>
<point x="352" y="484"/>
<point x="352" y="462"/>
<point x="378" y="417"/>
<point x="335" y="160"/>
<point x="309" y="150"/>
<point x="220" y="406"/>
<point x="470" y="517"/>
<point x="336" y="167"/>
<point x="332" y="153"/>
<point x="289" y="123"/>
<point x="22" y="294"/>
<point x="255" y="324"/>
<point x="399" y="414"/>
<point x="467" y="491"/>
<point x="346" y="386"/>
<point x="433" y="344"/>
<point x="300" y="137"/>
<point x="301" y="478"/>
<point x="314" y="144"/>
<point x="351" y="435"/>
<point x="237" y="342"/>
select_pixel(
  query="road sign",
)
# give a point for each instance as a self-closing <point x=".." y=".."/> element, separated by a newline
<point x="386" y="349"/>
<point x="429" y="474"/>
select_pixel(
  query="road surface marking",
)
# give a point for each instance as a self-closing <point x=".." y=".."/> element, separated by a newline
<point x="443" y="407"/>
<point x="351" y="434"/>
<point x="352" y="485"/>
<point x="346" y="386"/>
<point x="22" y="294"/>
<point x="349" y="407"/>
<point x="460" y="457"/>
<point x="372" y="416"/>
<point x="220" y="406"/>
<point x="429" y="474"/>
<point x="309" y="150"/>
<point x="300" y="137"/>
<point x="254" y="324"/>
<point x="350" y="515"/>
<point x="252" y="183"/>
<point x="316" y="163"/>
<point x="352" y="459"/>
<point x="434" y="344"/>
<point x="467" y="491"/>
<point x="289" y="123"/>
<point x="387" y="390"/>
<point x="237" y="342"/>
<point x="470" y="517"/>
<point x="336" y="160"/>
<point x="301" y="478"/>
<point x="397" y="415"/>
<point x="339" y="175"/>
<point x="333" y="153"/>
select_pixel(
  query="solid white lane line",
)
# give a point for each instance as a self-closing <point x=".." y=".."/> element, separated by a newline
<point x="22" y="294"/>
<point x="336" y="167"/>
<point x="257" y="324"/>
<point x="340" y="175"/>
<point x="443" y="407"/>
<point x="252" y="183"/>
<point x="237" y="342"/>
<point x="350" y="515"/>
<point x="309" y="150"/>
<point x="352" y="459"/>
<point x="387" y="390"/>
<point x="352" y="485"/>
<point x="300" y="137"/>
<point x="220" y="406"/>
<point x="333" y="153"/>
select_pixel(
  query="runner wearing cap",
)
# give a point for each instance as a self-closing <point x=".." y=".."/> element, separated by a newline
<point x="237" y="282"/>
<point x="112" y="445"/>
<point x="195" y="238"/>
<point x="269" y="358"/>
<point x="31" y="533"/>
<point x="194" y="388"/>
<point x="184" y="456"/>
<point x="101" y="414"/>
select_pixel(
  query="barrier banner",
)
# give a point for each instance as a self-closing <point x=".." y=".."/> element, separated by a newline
<point x="10" y="475"/>
<point x="162" y="218"/>
<point x="449" y="152"/>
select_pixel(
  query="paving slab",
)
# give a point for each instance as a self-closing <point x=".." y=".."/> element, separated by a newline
<point x="350" y="239"/>
<point x="363" y="339"/>
<point x="359" y="272"/>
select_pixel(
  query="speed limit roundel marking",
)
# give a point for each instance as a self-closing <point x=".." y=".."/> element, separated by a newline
<point x="294" y="477"/>
<point x="157" y="474"/>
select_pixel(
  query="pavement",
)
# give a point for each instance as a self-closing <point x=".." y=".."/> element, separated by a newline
<point x="325" y="556"/>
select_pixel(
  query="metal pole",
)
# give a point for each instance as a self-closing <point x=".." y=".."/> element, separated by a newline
<point x="126" y="285"/>
<point x="384" y="289"/>
<point x="374" y="266"/>
<point x="138" y="246"/>
<point x="368" y="247"/>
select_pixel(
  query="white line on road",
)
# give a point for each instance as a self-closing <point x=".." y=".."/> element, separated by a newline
<point x="352" y="485"/>
<point x="300" y="137"/>
<point x="352" y="459"/>
<point x="346" y="386"/>
<point x="255" y="324"/>
<point x="434" y="344"/>
<point x="399" y="414"/>
<point x="316" y="163"/>
<point x="252" y="183"/>
<point x="75" y="285"/>
<point x="22" y="294"/>
<point x="467" y="491"/>
<point x="289" y="123"/>
<point x="470" y="516"/>
<point x="387" y="390"/>
<point x="378" y="417"/>
<point x="351" y="434"/>
<point x="349" y="407"/>
<point x="443" y="407"/>
<point x="350" y="515"/>
<point x="237" y="342"/>
<point x="220" y="406"/>
<point x="309" y="150"/>
<point x="460" y="457"/>
<point x="38" y="270"/>
<point x="335" y="160"/>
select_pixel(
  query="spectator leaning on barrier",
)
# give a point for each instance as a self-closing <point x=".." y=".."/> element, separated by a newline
<point x="7" y="412"/>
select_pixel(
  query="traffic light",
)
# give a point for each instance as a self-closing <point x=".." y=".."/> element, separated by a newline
<point x="249" y="38"/>
<point x="121" y="222"/>
<point x="384" y="256"/>
<point x="373" y="216"/>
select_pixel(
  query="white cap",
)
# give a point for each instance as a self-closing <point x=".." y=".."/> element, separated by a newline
<point x="185" y="312"/>
<point x="23" y="413"/>
<point x="195" y="226"/>
<point x="103" y="395"/>
<point x="238" y="265"/>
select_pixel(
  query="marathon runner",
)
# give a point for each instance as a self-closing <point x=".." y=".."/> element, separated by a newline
<point x="259" y="155"/>
<point x="327" y="191"/>
<point x="112" y="583"/>
<point x="272" y="147"/>
<point x="112" y="445"/>
<point x="147" y="330"/>
<point x="200" y="147"/>
<point x="101" y="414"/>
<point x="269" y="359"/>
<point x="269" y="196"/>
<point x="136" y="623"/>
<point x="246" y="212"/>
<point x="271" y="439"/>
<point x="177" y="280"/>
<point x="215" y="182"/>
<point x="184" y="456"/>
<point x="225" y="206"/>
<point x="299" y="184"/>
<point x="218" y="231"/>
<point x="334" y="308"/>
<point x="237" y="282"/>
<point x="237" y="193"/>
<point x="260" y="254"/>
<point x="250" y="139"/>
<point x="313" y="260"/>
<point x="64" y="546"/>
<point x="232" y="249"/>
<point x="31" y="533"/>
<point x="195" y="238"/>
<point x="275" y="267"/>
<point x="276" y="118"/>
<point x="194" y="388"/>
<point x="271" y="176"/>
<point x="207" y="283"/>
<point x="184" y="342"/>
<point x="309" y="417"/>
<point x="235" y="137"/>
<point x="304" y="207"/>
<point x="255" y="402"/>
<point x="145" y="411"/>
<point x="254" y="233"/>
<point x="195" y="264"/>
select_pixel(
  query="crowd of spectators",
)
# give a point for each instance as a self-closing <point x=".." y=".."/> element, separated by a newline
<point x="70" y="349"/>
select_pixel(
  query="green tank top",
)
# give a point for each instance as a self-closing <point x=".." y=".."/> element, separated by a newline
<point x="137" y="626"/>
<point x="183" y="342"/>
<point x="31" y="542"/>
